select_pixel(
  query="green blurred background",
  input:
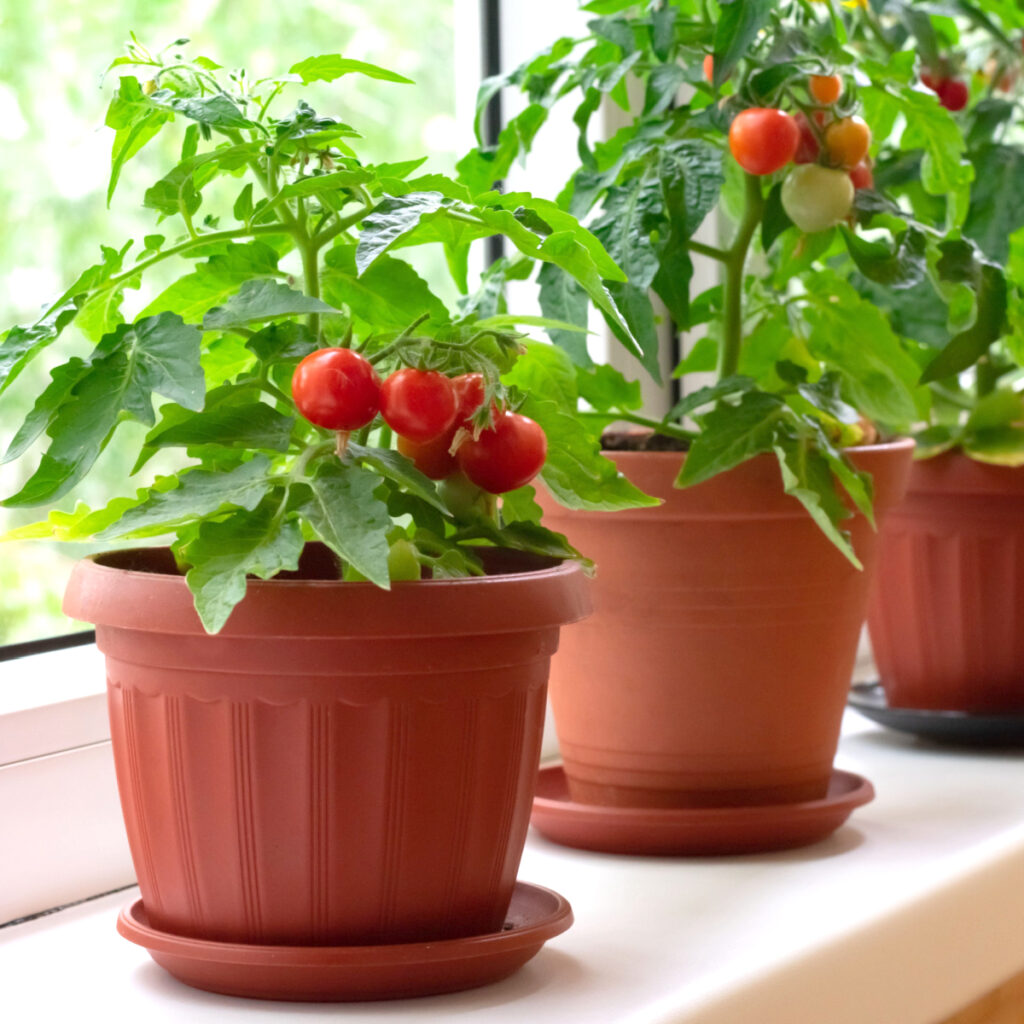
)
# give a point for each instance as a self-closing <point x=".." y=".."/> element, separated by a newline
<point x="53" y="98"/>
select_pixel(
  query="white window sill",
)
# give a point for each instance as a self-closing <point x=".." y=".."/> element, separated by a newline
<point x="909" y="912"/>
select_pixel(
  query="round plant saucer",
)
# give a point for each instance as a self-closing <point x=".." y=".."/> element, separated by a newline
<point x="692" y="831"/>
<point x="356" y="973"/>
<point x="962" y="727"/>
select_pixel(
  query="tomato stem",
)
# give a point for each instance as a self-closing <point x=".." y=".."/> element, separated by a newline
<point x="735" y="263"/>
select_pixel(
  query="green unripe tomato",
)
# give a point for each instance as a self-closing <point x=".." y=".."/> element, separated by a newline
<point x="816" y="197"/>
<point x="465" y="500"/>
<point x="402" y="561"/>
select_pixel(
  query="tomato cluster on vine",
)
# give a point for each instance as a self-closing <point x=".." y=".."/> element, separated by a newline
<point x="829" y="152"/>
<point x="436" y="418"/>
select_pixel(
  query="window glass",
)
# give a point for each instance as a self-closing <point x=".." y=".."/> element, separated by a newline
<point x="53" y="97"/>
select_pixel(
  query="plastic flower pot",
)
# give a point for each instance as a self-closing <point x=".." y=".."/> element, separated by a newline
<point x="946" y="615"/>
<point x="340" y="764"/>
<point x="715" y="669"/>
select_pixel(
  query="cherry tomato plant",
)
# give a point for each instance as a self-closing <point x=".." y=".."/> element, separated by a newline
<point x="297" y="356"/>
<point x="842" y="183"/>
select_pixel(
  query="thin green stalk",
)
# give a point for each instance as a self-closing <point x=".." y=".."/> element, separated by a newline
<point x="986" y="376"/>
<point x="668" y="429"/>
<point x="707" y="250"/>
<point x="735" y="264"/>
<point x="310" y="254"/>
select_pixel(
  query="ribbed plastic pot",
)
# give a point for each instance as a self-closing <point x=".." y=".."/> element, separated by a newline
<point x="341" y="764"/>
<point x="715" y="669"/>
<point x="947" y="616"/>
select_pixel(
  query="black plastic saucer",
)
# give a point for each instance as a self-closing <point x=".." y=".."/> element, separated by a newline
<point x="961" y="727"/>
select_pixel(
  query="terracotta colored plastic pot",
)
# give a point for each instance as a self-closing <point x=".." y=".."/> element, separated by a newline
<point x="341" y="764"/>
<point x="715" y="668"/>
<point x="947" y="616"/>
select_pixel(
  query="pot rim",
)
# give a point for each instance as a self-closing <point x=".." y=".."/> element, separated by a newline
<point x="553" y="594"/>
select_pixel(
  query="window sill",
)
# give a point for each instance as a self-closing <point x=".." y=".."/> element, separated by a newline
<point x="909" y="912"/>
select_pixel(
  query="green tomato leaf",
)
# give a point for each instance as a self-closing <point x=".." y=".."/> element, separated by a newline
<point x="545" y="372"/>
<point x="997" y="199"/>
<point x="576" y="472"/>
<point x="388" y="295"/>
<point x="329" y="67"/>
<point x="707" y="395"/>
<point x="156" y="354"/>
<point x="604" y="388"/>
<point x="902" y="266"/>
<point x="20" y="345"/>
<point x="226" y="551"/>
<point x="328" y="182"/>
<point x="807" y="476"/>
<point x="135" y="122"/>
<point x="199" y="493"/>
<point x="349" y="518"/>
<point x="967" y="347"/>
<point x="237" y="421"/>
<point x="215" y="280"/>
<point x="282" y="342"/>
<point x="730" y="434"/>
<point x="738" y="25"/>
<point x="217" y="111"/>
<point x="262" y="300"/>
<point x="394" y="466"/>
<point x="520" y="506"/>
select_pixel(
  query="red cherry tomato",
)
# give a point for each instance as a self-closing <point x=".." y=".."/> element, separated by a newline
<point x="432" y="457"/>
<point x="847" y="141"/>
<point x="763" y="139"/>
<point x="505" y="457"/>
<point x="808" y="149"/>
<point x="825" y="89"/>
<point x="953" y="94"/>
<point x="336" y="388"/>
<point x="418" y="404"/>
<point x="469" y="395"/>
<point x="861" y="176"/>
<point x="930" y="80"/>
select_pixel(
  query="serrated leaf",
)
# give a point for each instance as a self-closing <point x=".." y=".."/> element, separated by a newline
<point x="731" y="434"/>
<point x="226" y="551"/>
<point x="21" y="344"/>
<point x="329" y="182"/>
<point x="200" y="493"/>
<point x="156" y="354"/>
<point x="807" y="477"/>
<point x="520" y="506"/>
<point x="576" y="472"/>
<point x="967" y="347"/>
<point x="218" y="111"/>
<point x="233" y="424"/>
<point x="546" y="373"/>
<point x="397" y="468"/>
<point x="262" y="299"/>
<point x="705" y="396"/>
<point x="329" y="67"/>
<point x="604" y="388"/>
<point x="736" y="29"/>
<point x="388" y="295"/>
<point x="562" y="297"/>
<point x="902" y="266"/>
<point x="135" y="122"/>
<point x="281" y="342"/>
<point x="349" y="518"/>
<point x="50" y="399"/>
<point x="213" y="281"/>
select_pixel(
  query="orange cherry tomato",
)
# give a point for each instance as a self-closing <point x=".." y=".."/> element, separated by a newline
<point x="709" y="68"/>
<point x="847" y="141"/>
<point x="825" y="89"/>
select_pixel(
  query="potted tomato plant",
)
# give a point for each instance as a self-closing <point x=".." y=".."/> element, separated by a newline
<point x="747" y="589"/>
<point x="326" y="692"/>
<point x="941" y="621"/>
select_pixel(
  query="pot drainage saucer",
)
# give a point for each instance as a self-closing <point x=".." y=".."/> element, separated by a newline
<point x="969" y="729"/>
<point x="688" y="831"/>
<point x="356" y="973"/>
